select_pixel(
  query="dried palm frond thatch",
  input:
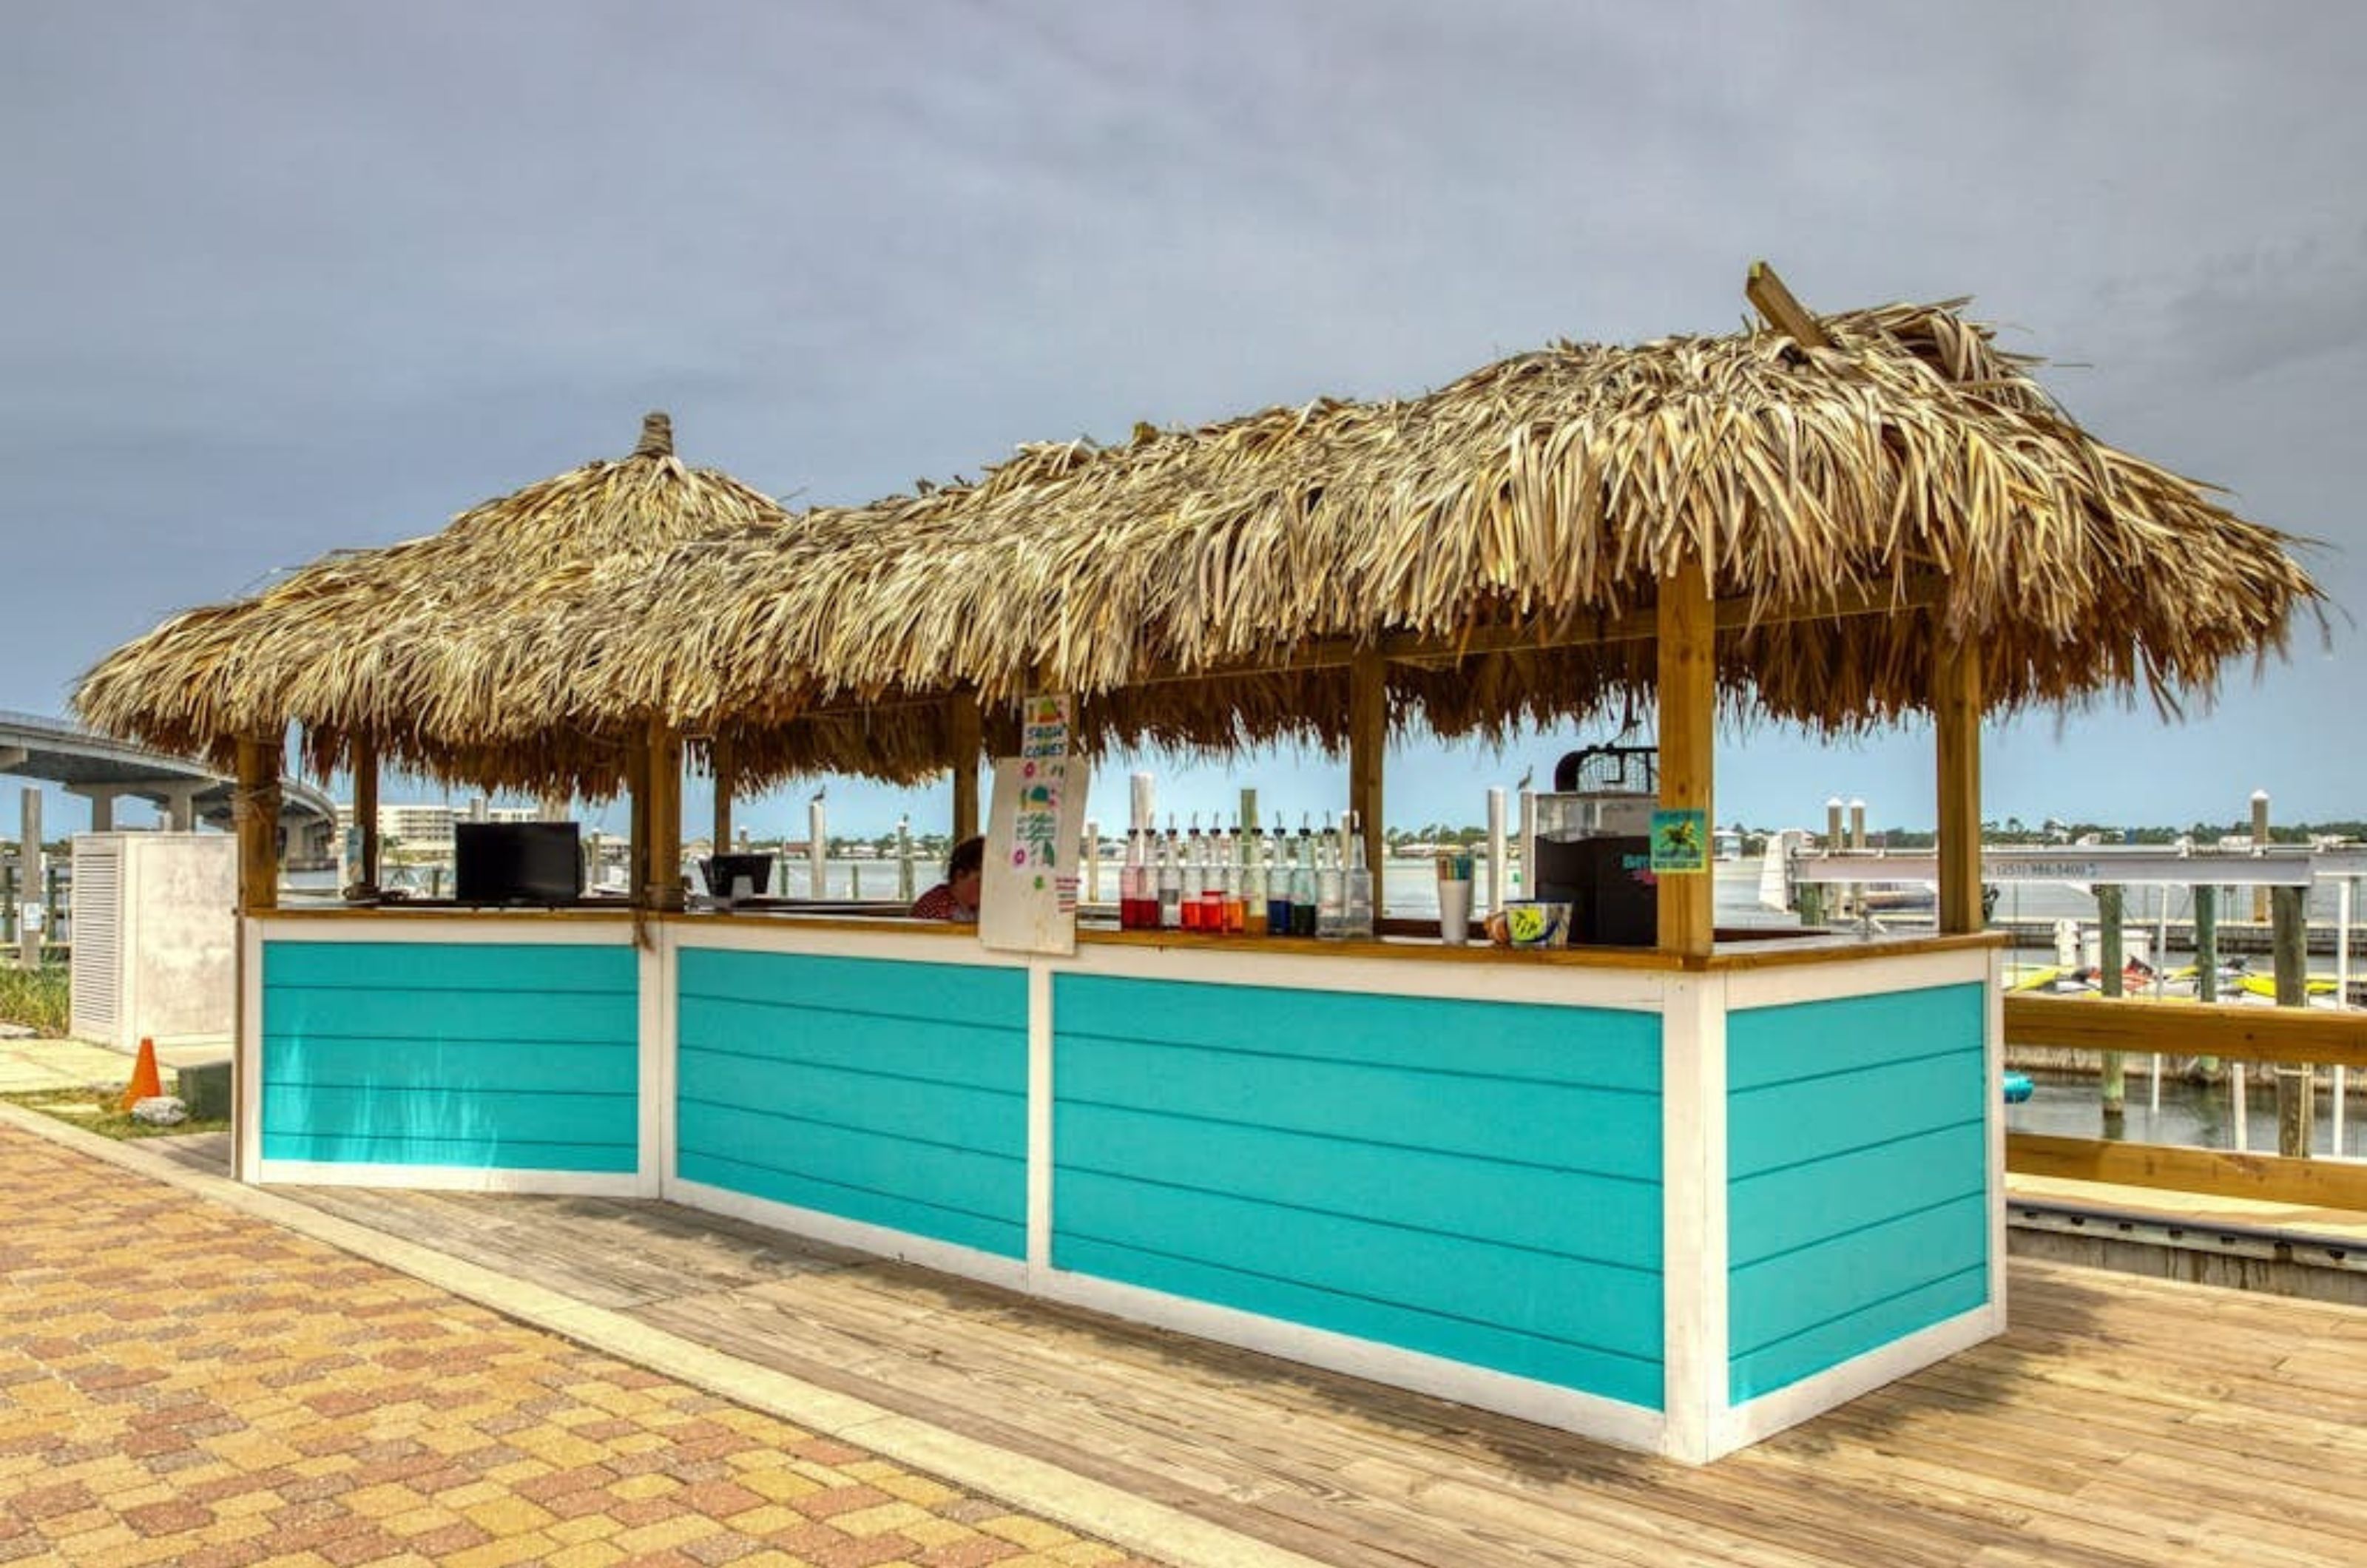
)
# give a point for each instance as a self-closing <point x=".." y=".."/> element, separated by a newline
<point x="1503" y="539"/>
<point x="396" y="645"/>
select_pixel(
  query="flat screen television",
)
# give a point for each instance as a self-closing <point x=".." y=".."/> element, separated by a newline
<point x="516" y="863"/>
<point x="722" y="870"/>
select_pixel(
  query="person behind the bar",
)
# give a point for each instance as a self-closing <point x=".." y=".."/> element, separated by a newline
<point x="956" y="898"/>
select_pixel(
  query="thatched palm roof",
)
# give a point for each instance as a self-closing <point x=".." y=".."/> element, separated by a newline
<point x="400" y="646"/>
<point x="1503" y="537"/>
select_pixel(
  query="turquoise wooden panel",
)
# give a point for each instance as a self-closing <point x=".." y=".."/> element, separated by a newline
<point x="1815" y="1119"/>
<point x="1635" y="1381"/>
<point x="1823" y="1039"/>
<point x="361" y="1148"/>
<point x="395" y="1061"/>
<point x="889" y="1093"/>
<point x="1857" y="1194"/>
<point x="1608" y="1133"/>
<point x="867" y="987"/>
<point x="1781" y="1296"/>
<point x="921" y="1050"/>
<point x="484" y="1116"/>
<point x="1487" y="1201"/>
<point x="505" y="1057"/>
<point x="510" y="1017"/>
<point x="957" y="1115"/>
<point x="1515" y="1042"/>
<point x="1795" y="1206"/>
<point x="1786" y="1362"/>
<point x="1447" y="1276"/>
<point x="1342" y="1161"/>
<point x="946" y="1194"/>
<point x="452" y="966"/>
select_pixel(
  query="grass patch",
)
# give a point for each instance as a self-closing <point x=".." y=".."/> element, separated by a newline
<point x="93" y="1109"/>
<point x="39" y="999"/>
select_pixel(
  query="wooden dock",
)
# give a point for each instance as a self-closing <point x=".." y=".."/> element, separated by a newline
<point x="2120" y="1421"/>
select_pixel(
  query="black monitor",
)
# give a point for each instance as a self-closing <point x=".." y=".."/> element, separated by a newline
<point x="516" y="863"/>
<point x="723" y="871"/>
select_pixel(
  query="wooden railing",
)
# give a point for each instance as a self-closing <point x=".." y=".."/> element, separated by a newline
<point x="2310" y="1036"/>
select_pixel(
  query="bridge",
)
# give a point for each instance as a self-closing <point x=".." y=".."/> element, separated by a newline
<point x="103" y="771"/>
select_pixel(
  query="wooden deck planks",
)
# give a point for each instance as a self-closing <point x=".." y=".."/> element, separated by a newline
<point x="2122" y="1421"/>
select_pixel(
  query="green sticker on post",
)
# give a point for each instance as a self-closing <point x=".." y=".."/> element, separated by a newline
<point x="1679" y="843"/>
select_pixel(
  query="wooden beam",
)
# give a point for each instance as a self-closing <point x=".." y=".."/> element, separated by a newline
<point x="2322" y="1184"/>
<point x="1957" y="709"/>
<point x="255" y="811"/>
<point x="1369" y="735"/>
<point x="1688" y="703"/>
<point x="962" y="739"/>
<point x="2323" y="1037"/>
<point x="1783" y="312"/>
<point x="665" y="818"/>
<point x="718" y="756"/>
<point x="362" y="757"/>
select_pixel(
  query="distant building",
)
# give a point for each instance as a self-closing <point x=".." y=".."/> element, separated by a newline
<point x="423" y="825"/>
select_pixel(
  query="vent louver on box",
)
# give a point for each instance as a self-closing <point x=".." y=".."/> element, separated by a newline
<point x="95" y="989"/>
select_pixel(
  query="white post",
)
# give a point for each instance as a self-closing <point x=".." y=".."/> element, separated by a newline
<point x="817" y="843"/>
<point x="2235" y="1108"/>
<point x="904" y="860"/>
<point x="1528" y="841"/>
<point x="1495" y="900"/>
<point x="1092" y="860"/>
<point x="1143" y="801"/>
<point x="2341" y="995"/>
<point x="2160" y="970"/>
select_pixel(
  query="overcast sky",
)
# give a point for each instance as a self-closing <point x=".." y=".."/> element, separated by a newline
<point x="284" y="278"/>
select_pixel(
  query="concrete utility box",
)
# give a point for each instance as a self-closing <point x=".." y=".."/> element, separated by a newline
<point x="155" y="937"/>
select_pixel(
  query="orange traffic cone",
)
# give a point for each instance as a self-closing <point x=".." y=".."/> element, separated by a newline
<point x="144" y="1083"/>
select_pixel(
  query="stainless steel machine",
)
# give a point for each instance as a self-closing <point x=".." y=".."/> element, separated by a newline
<point x="1592" y="846"/>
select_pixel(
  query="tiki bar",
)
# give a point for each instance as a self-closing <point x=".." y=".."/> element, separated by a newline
<point x="1675" y="1189"/>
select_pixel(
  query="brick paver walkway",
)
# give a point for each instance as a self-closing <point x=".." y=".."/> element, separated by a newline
<point x="182" y="1384"/>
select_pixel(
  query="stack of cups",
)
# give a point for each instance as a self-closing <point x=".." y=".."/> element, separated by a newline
<point x="1454" y="898"/>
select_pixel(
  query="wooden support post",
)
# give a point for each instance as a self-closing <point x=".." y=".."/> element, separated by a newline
<point x="665" y="818"/>
<point x="637" y="853"/>
<point x="1368" y="737"/>
<point x="2296" y="1082"/>
<point x="1786" y="314"/>
<point x="2111" y="911"/>
<point x="361" y="756"/>
<point x="962" y="740"/>
<point x="1688" y="703"/>
<point x="2206" y="958"/>
<point x="718" y="757"/>
<point x="1957" y="709"/>
<point x="30" y="930"/>
<point x="255" y="810"/>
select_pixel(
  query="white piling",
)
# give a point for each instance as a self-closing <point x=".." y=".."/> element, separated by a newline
<point x="818" y="844"/>
<point x="904" y="860"/>
<point x="1092" y="860"/>
<point x="1528" y="841"/>
<point x="2341" y="997"/>
<point x="1495" y="900"/>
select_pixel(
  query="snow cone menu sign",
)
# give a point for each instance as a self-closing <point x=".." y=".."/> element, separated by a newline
<point x="1028" y="902"/>
<point x="1679" y="843"/>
